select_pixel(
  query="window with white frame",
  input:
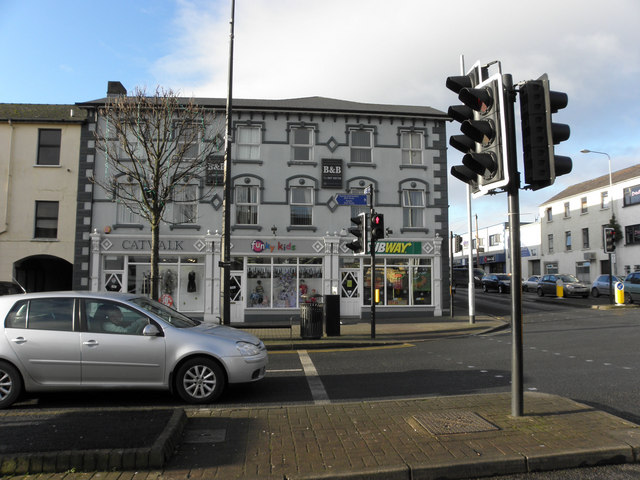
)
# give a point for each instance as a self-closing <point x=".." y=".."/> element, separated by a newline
<point x="188" y="145"/>
<point x="301" y="202"/>
<point x="567" y="240"/>
<point x="411" y="144"/>
<point x="361" y="146"/>
<point x="127" y="203"/>
<point x="413" y="205"/>
<point x="549" y="213"/>
<point x="585" y="238"/>
<point x="301" y="144"/>
<point x="550" y="243"/>
<point x="567" y="210"/>
<point x="246" y="204"/>
<point x="248" y="143"/>
<point x="185" y="204"/>
<point x="49" y="140"/>
<point x="604" y="200"/>
<point x="46" y="224"/>
<point x="583" y="205"/>
<point x="494" y="240"/>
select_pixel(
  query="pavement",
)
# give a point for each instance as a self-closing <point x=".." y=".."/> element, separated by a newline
<point x="457" y="437"/>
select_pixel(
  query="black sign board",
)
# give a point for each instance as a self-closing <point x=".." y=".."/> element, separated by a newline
<point x="331" y="173"/>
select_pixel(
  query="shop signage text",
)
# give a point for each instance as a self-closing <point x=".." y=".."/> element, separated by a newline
<point x="168" y="245"/>
<point x="259" y="246"/>
<point x="331" y="173"/>
<point x="402" y="248"/>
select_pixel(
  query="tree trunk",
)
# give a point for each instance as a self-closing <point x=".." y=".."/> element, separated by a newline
<point x="155" y="259"/>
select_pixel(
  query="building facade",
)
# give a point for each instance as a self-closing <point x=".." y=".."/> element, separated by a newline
<point x="39" y="149"/>
<point x="293" y="164"/>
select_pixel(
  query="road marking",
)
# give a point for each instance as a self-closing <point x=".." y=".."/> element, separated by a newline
<point x="318" y="393"/>
<point x="285" y="370"/>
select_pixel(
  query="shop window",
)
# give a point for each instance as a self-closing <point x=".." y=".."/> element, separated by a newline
<point x="361" y="142"/>
<point x="248" y="143"/>
<point x="301" y="203"/>
<point x="49" y="140"/>
<point x="302" y="144"/>
<point x="632" y="234"/>
<point x="411" y="144"/>
<point x="400" y="282"/>
<point x="185" y="204"/>
<point x="246" y="204"/>
<point x="631" y="196"/>
<point x="46" y="225"/>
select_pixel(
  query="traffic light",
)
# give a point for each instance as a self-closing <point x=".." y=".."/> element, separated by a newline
<point x="609" y="240"/>
<point x="458" y="247"/>
<point x="360" y="230"/>
<point x="540" y="134"/>
<point x="483" y="123"/>
<point x="377" y="226"/>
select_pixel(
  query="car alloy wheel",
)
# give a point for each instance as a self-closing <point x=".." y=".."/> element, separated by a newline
<point x="540" y="292"/>
<point x="595" y="292"/>
<point x="200" y="380"/>
<point x="10" y="384"/>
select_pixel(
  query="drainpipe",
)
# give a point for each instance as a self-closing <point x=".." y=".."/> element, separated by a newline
<point x="5" y="213"/>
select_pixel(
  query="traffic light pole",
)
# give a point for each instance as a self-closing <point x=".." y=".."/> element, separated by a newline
<point x="513" y="192"/>
<point x="372" y="249"/>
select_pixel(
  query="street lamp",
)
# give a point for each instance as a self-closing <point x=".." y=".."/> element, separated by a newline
<point x="601" y="153"/>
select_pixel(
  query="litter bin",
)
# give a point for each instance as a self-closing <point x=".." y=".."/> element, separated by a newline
<point x="310" y="320"/>
<point x="332" y="315"/>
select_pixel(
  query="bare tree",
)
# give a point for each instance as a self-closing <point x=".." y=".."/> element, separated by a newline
<point x="157" y="144"/>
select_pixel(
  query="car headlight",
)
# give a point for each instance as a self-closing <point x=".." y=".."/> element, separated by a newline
<point x="247" y="349"/>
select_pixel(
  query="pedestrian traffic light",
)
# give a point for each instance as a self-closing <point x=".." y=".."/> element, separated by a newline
<point x="458" y="247"/>
<point x="377" y="226"/>
<point x="359" y="230"/>
<point x="609" y="240"/>
<point x="540" y="134"/>
<point x="483" y="124"/>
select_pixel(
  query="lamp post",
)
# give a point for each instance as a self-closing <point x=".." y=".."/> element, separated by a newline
<point x="613" y="215"/>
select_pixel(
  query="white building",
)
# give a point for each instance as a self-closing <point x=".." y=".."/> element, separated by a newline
<point x="290" y="161"/>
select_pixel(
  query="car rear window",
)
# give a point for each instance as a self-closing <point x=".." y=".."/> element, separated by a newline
<point x="42" y="314"/>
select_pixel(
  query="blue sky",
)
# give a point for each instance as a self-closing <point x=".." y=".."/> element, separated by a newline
<point x="377" y="51"/>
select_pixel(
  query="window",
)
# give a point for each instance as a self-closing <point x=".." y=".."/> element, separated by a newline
<point x="301" y="205"/>
<point x="185" y="204"/>
<point x="127" y="205"/>
<point x="411" y="143"/>
<point x="361" y="146"/>
<point x="42" y="314"/>
<point x="46" y="220"/>
<point x="215" y="171"/>
<point x="49" y="146"/>
<point x="494" y="239"/>
<point x="583" y="205"/>
<point x="107" y="317"/>
<point x="604" y="200"/>
<point x="413" y="208"/>
<point x="585" y="238"/>
<point x="248" y="143"/>
<point x="247" y="205"/>
<point x="567" y="210"/>
<point x="550" y="242"/>
<point x="631" y="195"/>
<point x="549" y="214"/>
<point x="188" y="143"/>
<point x="567" y="240"/>
<point x="632" y="234"/>
<point x="301" y="144"/>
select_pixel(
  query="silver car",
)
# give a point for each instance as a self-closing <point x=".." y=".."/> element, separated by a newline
<point x="87" y="340"/>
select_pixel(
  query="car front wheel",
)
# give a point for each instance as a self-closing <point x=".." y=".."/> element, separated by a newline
<point x="200" y="380"/>
<point x="10" y="384"/>
<point x="484" y="288"/>
<point x="595" y="292"/>
<point x="540" y="292"/>
<point x="627" y="298"/>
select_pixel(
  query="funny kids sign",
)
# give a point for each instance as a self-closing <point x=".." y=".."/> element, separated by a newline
<point x="259" y="246"/>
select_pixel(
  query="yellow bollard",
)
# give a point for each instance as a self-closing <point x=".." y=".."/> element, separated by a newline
<point x="619" y="293"/>
<point x="559" y="289"/>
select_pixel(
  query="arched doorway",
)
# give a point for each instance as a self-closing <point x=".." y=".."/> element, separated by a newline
<point x="43" y="273"/>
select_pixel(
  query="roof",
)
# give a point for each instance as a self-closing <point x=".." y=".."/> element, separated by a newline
<point x="310" y="104"/>
<point x="597" y="183"/>
<point x="35" y="112"/>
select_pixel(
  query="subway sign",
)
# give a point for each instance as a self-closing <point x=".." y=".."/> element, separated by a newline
<point x="398" y="248"/>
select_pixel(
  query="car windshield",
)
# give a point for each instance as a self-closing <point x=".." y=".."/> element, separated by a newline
<point x="503" y="277"/>
<point x="169" y="315"/>
<point x="568" y="279"/>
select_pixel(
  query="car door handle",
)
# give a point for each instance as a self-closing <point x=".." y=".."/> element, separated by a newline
<point x="91" y="343"/>
<point x="19" y="340"/>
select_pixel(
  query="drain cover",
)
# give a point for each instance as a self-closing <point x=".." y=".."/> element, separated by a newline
<point x="453" y="421"/>
<point x="204" y="436"/>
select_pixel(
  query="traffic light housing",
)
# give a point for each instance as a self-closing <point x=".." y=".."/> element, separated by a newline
<point x="609" y="240"/>
<point x="458" y="243"/>
<point x="360" y="231"/>
<point x="540" y="134"/>
<point x="483" y="124"/>
<point x="377" y="226"/>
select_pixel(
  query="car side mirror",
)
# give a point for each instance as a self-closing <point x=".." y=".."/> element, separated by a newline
<point x="151" y="331"/>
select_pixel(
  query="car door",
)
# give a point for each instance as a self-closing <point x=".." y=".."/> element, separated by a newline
<point x="126" y="359"/>
<point x="41" y="334"/>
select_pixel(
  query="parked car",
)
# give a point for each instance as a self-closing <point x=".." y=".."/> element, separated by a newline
<point x="570" y="284"/>
<point x="497" y="281"/>
<point x="600" y="285"/>
<point x="531" y="283"/>
<point x="89" y="340"/>
<point x="632" y="288"/>
<point x="10" y="288"/>
<point x="461" y="276"/>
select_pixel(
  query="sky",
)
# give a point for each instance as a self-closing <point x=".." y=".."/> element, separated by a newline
<point x="374" y="51"/>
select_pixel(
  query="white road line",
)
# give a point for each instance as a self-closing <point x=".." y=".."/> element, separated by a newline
<point x="318" y="392"/>
<point x="285" y="370"/>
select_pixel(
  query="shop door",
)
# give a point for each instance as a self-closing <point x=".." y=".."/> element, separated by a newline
<point x="350" y="300"/>
<point x="235" y="298"/>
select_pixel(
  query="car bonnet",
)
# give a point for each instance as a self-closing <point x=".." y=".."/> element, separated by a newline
<point x="229" y="333"/>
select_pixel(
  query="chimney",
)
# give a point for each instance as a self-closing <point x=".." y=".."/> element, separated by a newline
<point x="115" y="88"/>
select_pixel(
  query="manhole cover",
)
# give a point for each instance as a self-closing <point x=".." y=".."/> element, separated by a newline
<point x="453" y="421"/>
<point x="205" y="436"/>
